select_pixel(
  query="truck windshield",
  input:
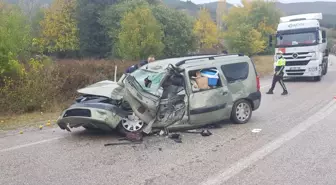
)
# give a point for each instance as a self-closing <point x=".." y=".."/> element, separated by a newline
<point x="155" y="78"/>
<point x="296" y="39"/>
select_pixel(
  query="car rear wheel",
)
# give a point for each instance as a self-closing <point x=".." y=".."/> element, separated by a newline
<point x="241" y="112"/>
<point x="130" y="124"/>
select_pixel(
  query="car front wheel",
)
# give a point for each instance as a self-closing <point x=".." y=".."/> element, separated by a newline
<point x="241" y="112"/>
<point x="130" y="124"/>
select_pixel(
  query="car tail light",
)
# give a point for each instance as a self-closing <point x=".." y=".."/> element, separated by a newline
<point x="258" y="82"/>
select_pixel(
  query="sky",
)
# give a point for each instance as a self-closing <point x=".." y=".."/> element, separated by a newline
<point x="238" y="1"/>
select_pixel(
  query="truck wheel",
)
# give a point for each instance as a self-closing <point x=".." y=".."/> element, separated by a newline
<point x="241" y="112"/>
<point x="326" y="68"/>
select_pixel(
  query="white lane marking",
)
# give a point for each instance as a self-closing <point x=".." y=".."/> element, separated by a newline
<point x="244" y="163"/>
<point x="27" y="145"/>
<point x="256" y="130"/>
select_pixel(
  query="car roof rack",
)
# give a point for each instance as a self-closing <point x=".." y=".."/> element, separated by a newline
<point x="208" y="57"/>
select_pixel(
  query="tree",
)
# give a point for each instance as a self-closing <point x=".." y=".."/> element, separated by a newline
<point x="140" y="35"/>
<point x="206" y="30"/>
<point x="111" y="19"/>
<point x="258" y="16"/>
<point x="247" y="40"/>
<point x="93" y="36"/>
<point x="29" y="7"/>
<point x="35" y="23"/>
<point x="14" y="37"/>
<point x="59" y="27"/>
<point x="264" y="16"/>
<point x="178" y="31"/>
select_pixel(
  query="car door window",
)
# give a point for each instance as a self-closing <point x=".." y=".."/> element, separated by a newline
<point x="235" y="72"/>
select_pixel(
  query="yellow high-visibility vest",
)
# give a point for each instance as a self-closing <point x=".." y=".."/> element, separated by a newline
<point x="281" y="62"/>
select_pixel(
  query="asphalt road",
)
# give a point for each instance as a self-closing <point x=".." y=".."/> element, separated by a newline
<point x="294" y="143"/>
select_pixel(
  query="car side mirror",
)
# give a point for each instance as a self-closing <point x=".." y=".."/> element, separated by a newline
<point x="270" y="44"/>
<point x="324" y="36"/>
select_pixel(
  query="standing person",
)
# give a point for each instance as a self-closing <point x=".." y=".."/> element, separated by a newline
<point x="132" y="68"/>
<point x="278" y="75"/>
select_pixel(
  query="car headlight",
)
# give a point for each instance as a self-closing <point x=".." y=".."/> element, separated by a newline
<point x="314" y="55"/>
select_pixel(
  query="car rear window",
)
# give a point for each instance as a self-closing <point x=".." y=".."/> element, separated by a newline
<point x="235" y="72"/>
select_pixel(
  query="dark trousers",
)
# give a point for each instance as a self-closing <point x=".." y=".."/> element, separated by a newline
<point x="278" y="78"/>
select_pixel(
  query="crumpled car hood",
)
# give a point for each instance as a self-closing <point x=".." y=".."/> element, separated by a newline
<point x="106" y="88"/>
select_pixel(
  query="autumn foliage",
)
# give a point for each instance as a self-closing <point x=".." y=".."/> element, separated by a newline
<point x="205" y="30"/>
<point x="99" y="35"/>
<point x="248" y="26"/>
<point x="59" y="27"/>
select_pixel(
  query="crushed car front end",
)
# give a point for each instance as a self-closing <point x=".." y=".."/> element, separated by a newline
<point x="92" y="115"/>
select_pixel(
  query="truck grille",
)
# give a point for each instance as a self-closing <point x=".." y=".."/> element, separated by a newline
<point x="297" y="63"/>
<point x="78" y="112"/>
<point x="299" y="53"/>
<point x="294" y="74"/>
<point x="299" y="57"/>
<point x="298" y="70"/>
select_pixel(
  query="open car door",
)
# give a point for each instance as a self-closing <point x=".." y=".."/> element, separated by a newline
<point x="156" y="98"/>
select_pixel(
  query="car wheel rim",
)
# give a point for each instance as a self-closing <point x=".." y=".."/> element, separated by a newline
<point x="243" y="111"/>
<point x="132" y="123"/>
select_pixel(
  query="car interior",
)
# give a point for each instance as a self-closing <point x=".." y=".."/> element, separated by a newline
<point x="200" y="81"/>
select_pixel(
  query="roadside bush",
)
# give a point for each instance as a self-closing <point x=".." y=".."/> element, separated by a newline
<point x="52" y="86"/>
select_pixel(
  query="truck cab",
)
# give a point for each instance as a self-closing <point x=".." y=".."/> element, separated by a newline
<point x="304" y="45"/>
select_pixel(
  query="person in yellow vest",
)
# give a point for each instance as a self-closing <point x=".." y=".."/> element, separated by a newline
<point x="278" y="75"/>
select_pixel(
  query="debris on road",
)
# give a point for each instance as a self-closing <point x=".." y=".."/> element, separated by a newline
<point x="214" y="126"/>
<point x="134" y="136"/>
<point x="164" y="132"/>
<point x="206" y="133"/>
<point x="48" y="123"/>
<point x="176" y="137"/>
<point x="131" y="138"/>
<point x="123" y="143"/>
<point x="21" y="132"/>
<point x="256" y="130"/>
<point x="192" y="132"/>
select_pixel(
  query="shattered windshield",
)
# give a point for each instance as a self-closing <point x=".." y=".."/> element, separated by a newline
<point x="148" y="80"/>
<point x="296" y="39"/>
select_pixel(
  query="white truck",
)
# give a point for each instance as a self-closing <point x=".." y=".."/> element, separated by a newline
<point x="304" y="45"/>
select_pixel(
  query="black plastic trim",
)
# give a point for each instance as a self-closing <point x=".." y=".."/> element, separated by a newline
<point x="254" y="96"/>
<point x="207" y="109"/>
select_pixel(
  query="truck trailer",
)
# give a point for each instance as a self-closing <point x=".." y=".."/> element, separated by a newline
<point x="303" y="43"/>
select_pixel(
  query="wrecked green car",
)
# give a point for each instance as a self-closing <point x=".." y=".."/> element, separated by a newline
<point x="176" y="93"/>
